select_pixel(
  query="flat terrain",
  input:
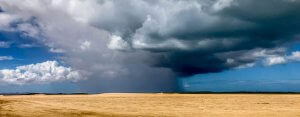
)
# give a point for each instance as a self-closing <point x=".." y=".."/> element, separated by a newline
<point x="181" y="105"/>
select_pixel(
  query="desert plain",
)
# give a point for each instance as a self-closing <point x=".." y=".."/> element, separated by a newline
<point x="151" y="105"/>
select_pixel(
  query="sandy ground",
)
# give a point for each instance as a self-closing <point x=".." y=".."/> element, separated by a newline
<point x="180" y="105"/>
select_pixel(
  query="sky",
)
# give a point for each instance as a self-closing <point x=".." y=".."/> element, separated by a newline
<point x="94" y="46"/>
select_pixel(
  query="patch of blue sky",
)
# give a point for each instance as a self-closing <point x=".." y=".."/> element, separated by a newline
<point x="285" y="77"/>
<point x="22" y="55"/>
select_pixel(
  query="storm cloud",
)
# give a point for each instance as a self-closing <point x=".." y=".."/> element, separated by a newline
<point x="192" y="37"/>
<point x="145" y="39"/>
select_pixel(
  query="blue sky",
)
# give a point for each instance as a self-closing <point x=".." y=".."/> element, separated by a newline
<point x="260" y="78"/>
<point x="283" y="77"/>
<point x="22" y="55"/>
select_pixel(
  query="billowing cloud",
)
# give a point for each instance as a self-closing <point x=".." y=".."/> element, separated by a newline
<point x="46" y="72"/>
<point x="128" y="38"/>
<point x="117" y="43"/>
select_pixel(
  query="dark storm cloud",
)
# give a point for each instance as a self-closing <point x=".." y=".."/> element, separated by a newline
<point x="241" y="27"/>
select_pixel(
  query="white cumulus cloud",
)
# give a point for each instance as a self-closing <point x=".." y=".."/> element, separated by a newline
<point x="2" y="58"/>
<point x="46" y="72"/>
<point x="275" y="60"/>
<point x="4" y="44"/>
<point x="295" y="56"/>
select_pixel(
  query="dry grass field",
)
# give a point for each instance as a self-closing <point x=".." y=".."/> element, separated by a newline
<point x="152" y="105"/>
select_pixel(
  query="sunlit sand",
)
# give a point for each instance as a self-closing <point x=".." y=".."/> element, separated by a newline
<point x="180" y="105"/>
